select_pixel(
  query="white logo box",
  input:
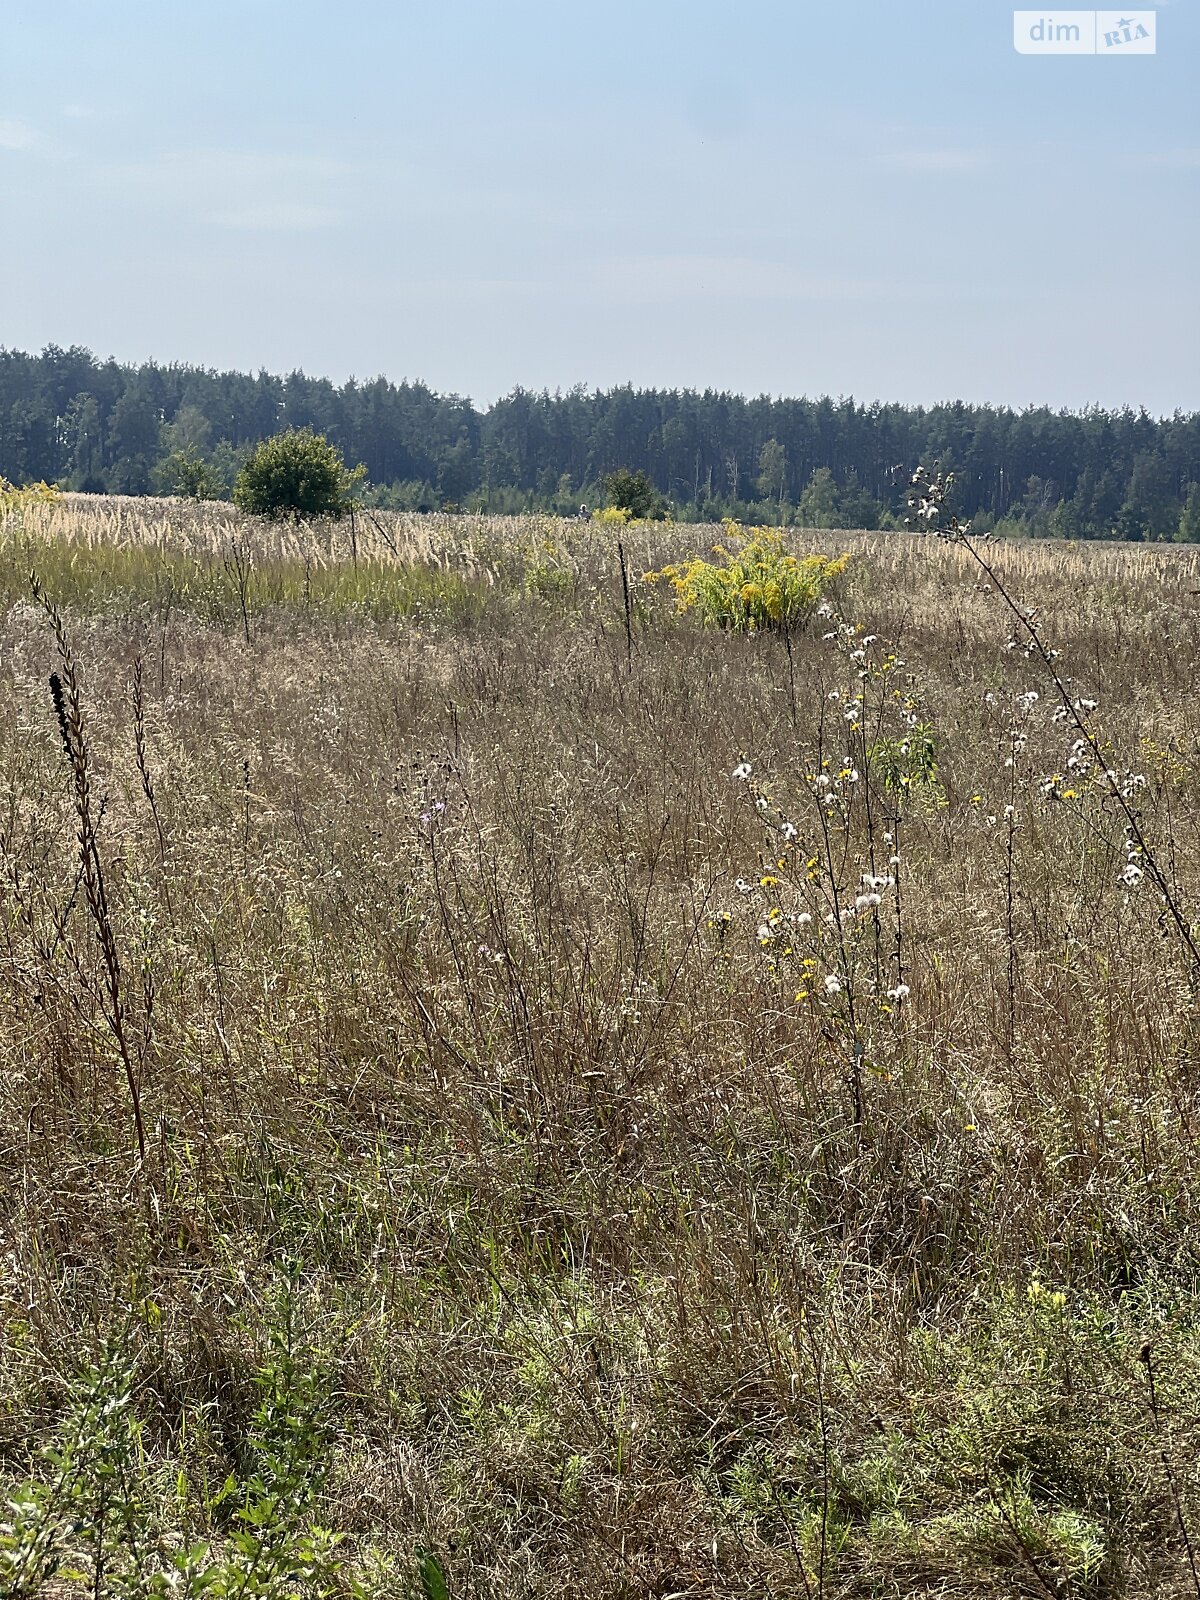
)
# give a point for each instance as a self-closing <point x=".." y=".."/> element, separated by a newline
<point x="1085" y="33"/>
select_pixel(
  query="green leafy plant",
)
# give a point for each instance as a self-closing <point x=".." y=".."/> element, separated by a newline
<point x="187" y="473"/>
<point x="634" y="493"/>
<point x="94" y="1519"/>
<point x="296" y="474"/>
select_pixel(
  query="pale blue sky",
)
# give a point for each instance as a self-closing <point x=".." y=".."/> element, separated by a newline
<point x="857" y="197"/>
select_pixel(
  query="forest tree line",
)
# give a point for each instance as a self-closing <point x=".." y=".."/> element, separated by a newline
<point x="107" y="427"/>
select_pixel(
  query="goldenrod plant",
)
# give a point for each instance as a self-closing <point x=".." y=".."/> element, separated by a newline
<point x="14" y="500"/>
<point x="757" y="583"/>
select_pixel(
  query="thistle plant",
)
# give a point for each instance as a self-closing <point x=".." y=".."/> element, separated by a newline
<point x="928" y="501"/>
<point x="831" y="873"/>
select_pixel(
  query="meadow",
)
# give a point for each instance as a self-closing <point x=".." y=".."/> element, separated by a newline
<point x="510" y="1091"/>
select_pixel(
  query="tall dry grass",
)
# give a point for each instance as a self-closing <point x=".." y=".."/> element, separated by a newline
<point x="507" y="1151"/>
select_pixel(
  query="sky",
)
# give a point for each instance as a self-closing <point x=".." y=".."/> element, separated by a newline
<point x="856" y="197"/>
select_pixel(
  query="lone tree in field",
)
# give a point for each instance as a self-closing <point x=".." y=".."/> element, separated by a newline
<point x="634" y="492"/>
<point x="296" y="474"/>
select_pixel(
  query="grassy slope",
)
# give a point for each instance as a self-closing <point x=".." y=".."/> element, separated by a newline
<point x="584" y="1237"/>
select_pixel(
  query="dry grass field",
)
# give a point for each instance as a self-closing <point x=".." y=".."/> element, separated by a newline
<point x="510" y="1095"/>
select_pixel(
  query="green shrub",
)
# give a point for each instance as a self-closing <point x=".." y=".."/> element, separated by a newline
<point x="296" y="474"/>
<point x="633" y="492"/>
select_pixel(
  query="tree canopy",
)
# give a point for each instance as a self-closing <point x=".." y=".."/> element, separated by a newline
<point x="70" y="419"/>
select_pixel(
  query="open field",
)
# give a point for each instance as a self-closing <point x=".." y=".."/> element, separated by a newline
<point x="566" y="1167"/>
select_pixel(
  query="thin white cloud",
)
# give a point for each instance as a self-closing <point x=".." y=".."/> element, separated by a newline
<point x="259" y="191"/>
<point x="671" y="278"/>
<point x="277" y="217"/>
<point x="16" y="135"/>
<point x="1181" y="160"/>
<point x="933" y="160"/>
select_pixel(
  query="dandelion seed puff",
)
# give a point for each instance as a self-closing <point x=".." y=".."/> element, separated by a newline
<point x="1130" y="875"/>
<point x="803" y="918"/>
<point x="743" y="771"/>
<point x="900" y="992"/>
<point x="833" y="984"/>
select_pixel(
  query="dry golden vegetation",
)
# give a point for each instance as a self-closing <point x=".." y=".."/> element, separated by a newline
<point x="510" y="1092"/>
